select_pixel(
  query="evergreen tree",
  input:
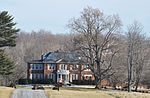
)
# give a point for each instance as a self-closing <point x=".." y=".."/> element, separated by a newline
<point x="8" y="32"/>
<point x="6" y="65"/>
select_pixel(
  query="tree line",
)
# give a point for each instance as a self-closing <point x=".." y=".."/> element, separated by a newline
<point x="111" y="53"/>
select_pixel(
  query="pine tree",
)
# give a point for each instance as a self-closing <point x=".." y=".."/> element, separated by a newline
<point x="8" y="35"/>
<point x="8" y="32"/>
<point x="6" y="65"/>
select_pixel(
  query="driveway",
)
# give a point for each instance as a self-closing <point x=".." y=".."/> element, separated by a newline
<point x="28" y="93"/>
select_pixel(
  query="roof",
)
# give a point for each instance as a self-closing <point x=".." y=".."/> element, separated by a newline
<point x="58" y="57"/>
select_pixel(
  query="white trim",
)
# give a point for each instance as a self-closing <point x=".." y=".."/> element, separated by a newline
<point x="88" y="75"/>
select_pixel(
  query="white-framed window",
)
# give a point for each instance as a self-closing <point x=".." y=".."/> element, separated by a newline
<point x="63" y="67"/>
<point x="74" y="76"/>
<point x="86" y="68"/>
<point x="87" y="77"/>
<point x="42" y="76"/>
<point x="37" y="76"/>
<point x="51" y="66"/>
<point x="74" y="67"/>
<point x="32" y="66"/>
<point x="54" y="66"/>
<point x="48" y="66"/>
<point x="53" y="77"/>
<point x="36" y="66"/>
<point x="50" y="76"/>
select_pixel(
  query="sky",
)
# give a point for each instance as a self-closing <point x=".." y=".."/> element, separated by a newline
<point x="53" y="15"/>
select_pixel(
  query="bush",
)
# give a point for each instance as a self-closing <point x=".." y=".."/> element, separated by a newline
<point x="23" y="81"/>
<point x="35" y="81"/>
<point x="83" y="82"/>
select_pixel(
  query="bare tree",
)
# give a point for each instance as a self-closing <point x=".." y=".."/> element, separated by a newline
<point x="136" y="53"/>
<point x="95" y="39"/>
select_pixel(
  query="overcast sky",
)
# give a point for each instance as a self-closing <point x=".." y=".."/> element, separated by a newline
<point x="53" y="15"/>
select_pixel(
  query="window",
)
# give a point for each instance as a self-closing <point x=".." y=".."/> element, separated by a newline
<point x="74" y="67"/>
<point x="53" y="77"/>
<point x="51" y="66"/>
<point x="33" y="76"/>
<point x="50" y="76"/>
<point x="62" y="67"/>
<point x="32" y="66"/>
<point x="41" y="76"/>
<point x="87" y="77"/>
<point x="40" y="66"/>
<point x="37" y="66"/>
<point x="74" y="76"/>
<point x="54" y="67"/>
<point x="86" y="68"/>
<point x="36" y="76"/>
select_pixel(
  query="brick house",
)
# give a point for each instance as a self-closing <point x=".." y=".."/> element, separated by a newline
<point x="63" y="67"/>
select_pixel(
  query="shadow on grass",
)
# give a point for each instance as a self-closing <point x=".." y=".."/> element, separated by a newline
<point x="74" y="88"/>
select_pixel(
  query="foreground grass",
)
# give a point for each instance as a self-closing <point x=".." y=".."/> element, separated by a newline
<point x="5" y="92"/>
<point x="91" y="93"/>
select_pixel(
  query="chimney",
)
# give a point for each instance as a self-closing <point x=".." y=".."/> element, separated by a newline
<point x="42" y="54"/>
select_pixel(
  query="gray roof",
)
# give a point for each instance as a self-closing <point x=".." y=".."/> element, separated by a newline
<point x="58" y="57"/>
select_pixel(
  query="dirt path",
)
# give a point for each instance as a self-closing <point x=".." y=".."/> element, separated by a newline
<point x="28" y="93"/>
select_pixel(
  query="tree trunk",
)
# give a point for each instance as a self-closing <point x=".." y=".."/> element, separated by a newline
<point x="98" y="83"/>
<point x="136" y="85"/>
<point x="129" y="78"/>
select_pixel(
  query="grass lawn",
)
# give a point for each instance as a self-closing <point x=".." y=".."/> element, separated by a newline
<point x="92" y="93"/>
<point x="5" y="92"/>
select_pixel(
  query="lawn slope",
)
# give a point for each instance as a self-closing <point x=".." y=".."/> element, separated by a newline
<point x="92" y="93"/>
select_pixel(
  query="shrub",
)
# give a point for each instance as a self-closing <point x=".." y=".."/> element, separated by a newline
<point x="23" y="81"/>
<point x="35" y="81"/>
<point x="83" y="82"/>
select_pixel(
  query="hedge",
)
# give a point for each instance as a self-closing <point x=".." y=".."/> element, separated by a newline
<point x="35" y="81"/>
<point x="83" y="82"/>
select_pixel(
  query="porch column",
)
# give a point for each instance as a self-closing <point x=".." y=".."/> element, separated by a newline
<point x="60" y="77"/>
<point x="67" y="77"/>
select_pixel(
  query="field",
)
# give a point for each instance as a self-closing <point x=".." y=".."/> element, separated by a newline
<point x="5" y="92"/>
<point x="92" y="93"/>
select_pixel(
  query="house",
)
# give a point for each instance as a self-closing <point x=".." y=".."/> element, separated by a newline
<point x="63" y="67"/>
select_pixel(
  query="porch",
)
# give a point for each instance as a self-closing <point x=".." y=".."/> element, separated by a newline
<point x="63" y="76"/>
